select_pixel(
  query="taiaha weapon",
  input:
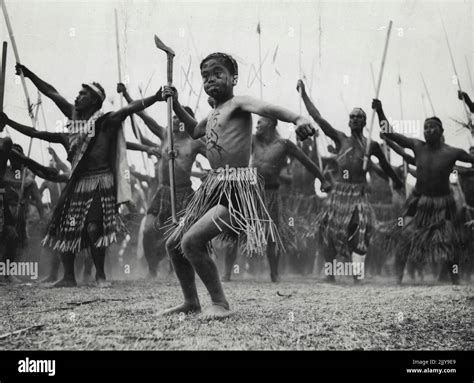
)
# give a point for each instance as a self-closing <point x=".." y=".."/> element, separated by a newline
<point x="25" y="90"/>
<point x="379" y="83"/>
<point x="427" y="95"/>
<point x="119" y="65"/>
<point x="2" y="76"/>
<point x="169" y="56"/>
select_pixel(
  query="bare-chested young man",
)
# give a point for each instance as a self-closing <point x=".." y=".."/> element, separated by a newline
<point x="431" y="229"/>
<point x="87" y="215"/>
<point x="9" y="194"/>
<point x="269" y="156"/>
<point x="231" y="196"/>
<point x="186" y="149"/>
<point x="347" y="221"/>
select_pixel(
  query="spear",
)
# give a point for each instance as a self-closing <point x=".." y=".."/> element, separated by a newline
<point x="2" y="77"/>
<point x="424" y="106"/>
<point x="427" y="94"/>
<point x="25" y="90"/>
<point x="384" y="56"/>
<point x="469" y="72"/>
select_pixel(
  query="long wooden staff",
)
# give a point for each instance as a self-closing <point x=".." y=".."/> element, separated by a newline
<point x="379" y="83"/>
<point x="428" y="94"/>
<point x="2" y="77"/>
<point x="25" y="90"/>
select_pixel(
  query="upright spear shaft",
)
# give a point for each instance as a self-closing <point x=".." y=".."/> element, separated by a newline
<point x="2" y="76"/>
<point x="384" y="56"/>
<point x="25" y="90"/>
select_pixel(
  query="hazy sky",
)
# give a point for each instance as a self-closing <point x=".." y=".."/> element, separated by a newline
<point x="71" y="42"/>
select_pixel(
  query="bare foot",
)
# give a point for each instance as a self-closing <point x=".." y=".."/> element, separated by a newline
<point x="186" y="308"/>
<point x="225" y="278"/>
<point x="102" y="283"/>
<point x="275" y="278"/>
<point x="215" y="312"/>
<point x="66" y="283"/>
<point x="329" y="279"/>
<point x="50" y="279"/>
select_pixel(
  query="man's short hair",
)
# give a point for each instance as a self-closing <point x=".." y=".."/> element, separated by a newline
<point x="98" y="91"/>
<point x="435" y="120"/>
<point x="227" y="60"/>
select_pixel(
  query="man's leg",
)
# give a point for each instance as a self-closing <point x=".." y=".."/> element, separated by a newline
<point x="328" y="251"/>
<point x="151" y="238"/>
<point x="55" y="261"/>
<point x="230" y="250"/>
<point x="69" y="278"/>
<point x="186" y="277"/>
<point x="194" y="245"/>
<point x="273" y="258"/>
<point x="94" y="231"/>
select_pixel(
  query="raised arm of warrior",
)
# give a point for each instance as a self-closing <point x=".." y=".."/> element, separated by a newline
<point x="150" y="150"/>
<point x="60" y="164"/>
<point x="151" y="123"/>
<point x="293" y="151"/>
<point x="304" y="128"/>
<point x="464" y="96"/>
<point x="387" y="130"/>
<point x="41" y="171"/>
<point x="412" y="170"/>
<point x="116" y="118"/>
<point x="399" y="150"/>
<point x="326" y="127"/>
<point x="376" y="151"/>
<point x="47" y="89"/>
<point x="193" y="128"/>
<point x="58" y="138"/>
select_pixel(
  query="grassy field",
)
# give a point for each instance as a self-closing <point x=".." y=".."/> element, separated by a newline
<point x="295" y="314"/>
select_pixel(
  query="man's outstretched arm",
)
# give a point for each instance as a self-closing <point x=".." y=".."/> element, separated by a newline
<point x="464" y="96"/>
<point x="387" y="130"/>
<point x="151" y="123"/>
<point x="58" y="138"/>
<point x="295" y="152"/>
<point x="41" y="171"/>
<point x="326" y="127"/>
<point x="376" y="151"/>
<point x="47" y="89"/>
<point x="400" y="151"/>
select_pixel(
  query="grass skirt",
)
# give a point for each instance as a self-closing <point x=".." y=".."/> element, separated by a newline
<point x="435" y="232"/>
<point x="161" y="204"/>
<point x="347" y="219"/>
<point x="66" y="230"/>
<point x="244" y="199"/>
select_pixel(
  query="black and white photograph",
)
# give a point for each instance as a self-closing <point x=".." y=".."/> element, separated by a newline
<point x="204" y="175"/>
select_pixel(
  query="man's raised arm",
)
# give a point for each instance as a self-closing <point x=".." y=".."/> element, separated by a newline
<point x="387" y="130"/>
<point x="294" y="151"/>
<point x="134" y="107"/>
<point x="47" y="89"/>
<point x="41" y="171"/>
<point x="326" y="127"/>
<point x="156" y="129"/>
<point x="400" y="151"/>
<point x="58" y="138"/>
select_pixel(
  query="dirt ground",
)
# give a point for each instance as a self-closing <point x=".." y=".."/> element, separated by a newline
<point x="299" y="313"/>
